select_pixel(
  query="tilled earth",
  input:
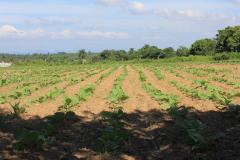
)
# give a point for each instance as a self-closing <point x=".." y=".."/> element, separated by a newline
<point x="152" y="133"/>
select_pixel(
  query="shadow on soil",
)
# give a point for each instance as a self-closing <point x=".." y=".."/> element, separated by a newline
<point x="152" y="135"/>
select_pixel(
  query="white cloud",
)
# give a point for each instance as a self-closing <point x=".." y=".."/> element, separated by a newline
<point x="52" y="21"/>
<point x="137" y="7"/>
<point x="8" y="31"/>
<point x="87" y="34"/>
<point x="187" y="14"/>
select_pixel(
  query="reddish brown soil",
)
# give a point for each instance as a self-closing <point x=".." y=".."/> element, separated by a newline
<point x="153" y="133"/>
<point x="138" y="98"/>
<point x="41" y="92"/>
<point x="98" y="102"/>
<point x="8" y="88"/>
<point x="49" y="108"/>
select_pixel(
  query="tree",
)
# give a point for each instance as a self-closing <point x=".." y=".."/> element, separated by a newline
<point x="182" y="51"/>
<point x="120" y="55"/>
<point x="169" y="52"/>
<point x="82" y="55"/>
<point x="148" y="51"/>
<point x="107" y="54"/>
<point x="131" y="51"/>
<point x="203" y="47"/>
<point x="228" y="39"/>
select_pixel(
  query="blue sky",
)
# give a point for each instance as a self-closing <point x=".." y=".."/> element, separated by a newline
<point x="29" y="26"/>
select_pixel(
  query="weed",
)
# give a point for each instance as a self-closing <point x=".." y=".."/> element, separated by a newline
<point x="142" y="76"/>
<point x="53" y="94"/>
<point x="85" y="92"/>
<point x="72" y="82"/>
<point x="2" y="99"/>
<point x="17" y="108"/>
<point x="3" y="82"/>
<point x="16" y="95"/>
<point x="158" y="73"/>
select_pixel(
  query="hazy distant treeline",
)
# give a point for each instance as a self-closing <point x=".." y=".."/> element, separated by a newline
<point x="225" y="45"/>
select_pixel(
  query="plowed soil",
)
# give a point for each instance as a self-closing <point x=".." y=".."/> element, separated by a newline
<point x="153" y="133"/>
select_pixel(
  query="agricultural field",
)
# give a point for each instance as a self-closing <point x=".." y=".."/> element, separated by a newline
<point x="125" y="110"/>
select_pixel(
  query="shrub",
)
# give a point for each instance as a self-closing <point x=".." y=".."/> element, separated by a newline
<point x="221" y="56"/>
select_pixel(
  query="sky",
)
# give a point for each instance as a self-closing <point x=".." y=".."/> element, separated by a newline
<point x="31" y="26"/>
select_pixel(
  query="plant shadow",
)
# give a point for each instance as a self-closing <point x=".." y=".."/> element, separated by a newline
<point x="151" y="135"/>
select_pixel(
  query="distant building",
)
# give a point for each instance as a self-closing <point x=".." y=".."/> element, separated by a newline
<point x="3" y="64"/>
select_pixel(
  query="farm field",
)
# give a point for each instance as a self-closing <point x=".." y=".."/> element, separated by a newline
<point x="122" y="110"/>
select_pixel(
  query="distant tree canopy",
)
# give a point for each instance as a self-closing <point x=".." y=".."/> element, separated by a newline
<point x="203" y="47"/>
<point x="82" y="55"/>
<point x="228" y="39"/>
<point x="148" y="51"/>
<point x="169" y="52"/>
<point x="114" y="55"/>
<point x="182" y="51"/>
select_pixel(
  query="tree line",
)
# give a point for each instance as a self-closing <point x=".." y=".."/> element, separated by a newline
<point x="226" y="42"/>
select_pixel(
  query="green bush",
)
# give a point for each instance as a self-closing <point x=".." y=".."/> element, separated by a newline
<point x="221" y="56"/>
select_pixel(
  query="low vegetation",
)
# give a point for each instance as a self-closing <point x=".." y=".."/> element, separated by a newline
<point x="41" y="112"/>
<point x="117" y="94"/>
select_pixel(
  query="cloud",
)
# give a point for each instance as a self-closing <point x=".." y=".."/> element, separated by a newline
<point x="195" y="15"/>
<point x="88" y="34"/>
<point x="187" y="14"/>
<point x="134" y="7"/>
<point x="137" y="7"/>
<point x="52" y="21"/>
<point x="8" y="31"/>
